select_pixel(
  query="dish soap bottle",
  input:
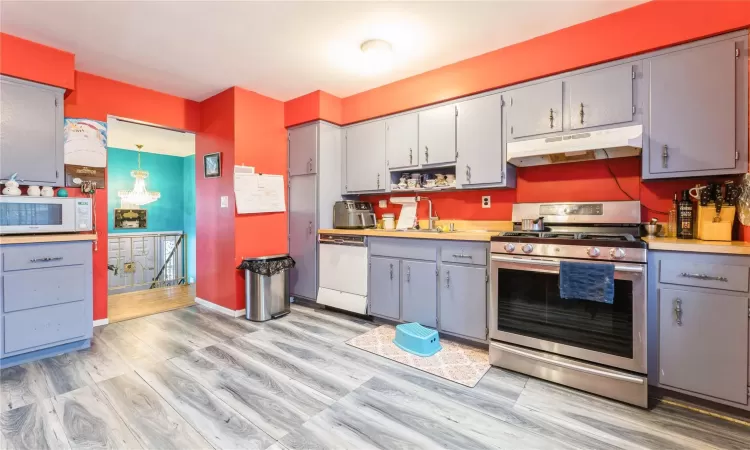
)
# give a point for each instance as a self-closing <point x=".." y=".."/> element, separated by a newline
<point x="685" y="217"/>
<point x="672" y="223"/>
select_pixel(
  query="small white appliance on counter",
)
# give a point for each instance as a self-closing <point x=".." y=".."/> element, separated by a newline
<point x="343" y="272"/>
<point x="23" y="214"/>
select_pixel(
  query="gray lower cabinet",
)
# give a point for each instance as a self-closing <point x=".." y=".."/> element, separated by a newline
<point x="46" y="298"/>
<point x="703" y="341"/>
<point x="303" y="236"/>
<point x="463" y="300"/>
<point x="31" y="142"/>
<point x="419" y="292"/>
<point x="698" y="111"/>
<point x="385" y="276"/>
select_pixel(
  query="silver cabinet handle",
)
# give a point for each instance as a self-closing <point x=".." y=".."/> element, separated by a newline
<point x="468" y="173"/>
<point x="703" y="276"/>
<point x="456" y="255"/>
<point x="46" y="259"/>
<point x="408" y="274"/>
<point x="309" y="228"/>
<point x="581" y="113"/>
<point x="678" y="311"/>
<point x="309" y="166"/>
<point x="664" y="156"/>
<point x="551" y="118"/>
<point x="426" y="154"/>
<point x="410" y="156"/>
<point x="378" y="181"/>
<point x="447" y="278"/>
<point x="391" y="271"/>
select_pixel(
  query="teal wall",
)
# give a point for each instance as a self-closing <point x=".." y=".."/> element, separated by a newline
<point x="188" y="172"/>
<point x="173" y="177"/>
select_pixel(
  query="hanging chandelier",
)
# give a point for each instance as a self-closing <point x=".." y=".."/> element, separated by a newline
<point x="139" y="195"/>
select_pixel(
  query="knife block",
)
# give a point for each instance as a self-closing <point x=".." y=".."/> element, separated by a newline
<point x="708" y="230"/>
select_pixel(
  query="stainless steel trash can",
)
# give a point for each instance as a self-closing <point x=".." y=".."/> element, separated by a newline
<point x="266" y="297"/>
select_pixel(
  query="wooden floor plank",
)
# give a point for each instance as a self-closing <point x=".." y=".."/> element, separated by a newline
<point x="101" y="361"/>
<point x="145" y="302"/>
<point x="65" y="373"/>
<point x="34" y="426"/>
<point x="22" y="385"/>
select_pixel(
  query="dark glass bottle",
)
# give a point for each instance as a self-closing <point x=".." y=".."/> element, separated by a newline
<point x="685" y="216"/>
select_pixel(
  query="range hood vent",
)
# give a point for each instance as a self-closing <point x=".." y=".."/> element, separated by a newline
<point x="610" y="143"/>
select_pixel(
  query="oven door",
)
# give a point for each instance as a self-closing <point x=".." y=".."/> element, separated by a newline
<point x="526" y="309"/>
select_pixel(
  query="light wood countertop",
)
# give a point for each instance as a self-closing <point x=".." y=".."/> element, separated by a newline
<point x="698" y="246"/>
<point x="44" y="238"/>
<point x="482" y="236"/>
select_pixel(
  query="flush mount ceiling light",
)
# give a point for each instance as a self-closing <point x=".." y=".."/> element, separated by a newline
<point x="378" y="55"/>
<point x="139" y="195"/>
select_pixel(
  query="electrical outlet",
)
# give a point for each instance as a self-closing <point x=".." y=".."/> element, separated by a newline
<point x="486" y="203"/>
<point x="383" y="203"/>
<point x="224" y="201"/>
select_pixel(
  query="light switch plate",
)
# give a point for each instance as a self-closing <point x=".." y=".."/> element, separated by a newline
<point x="486" y="203"/>
<point x="383" y="203"/>
<point x="224" y="201"/>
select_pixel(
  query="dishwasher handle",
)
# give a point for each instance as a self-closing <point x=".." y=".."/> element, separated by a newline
<point x="350" y="240"/>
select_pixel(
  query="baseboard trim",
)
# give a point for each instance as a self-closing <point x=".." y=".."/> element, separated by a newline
<point x="100" y="322"/>
<point x="219" y="308"/>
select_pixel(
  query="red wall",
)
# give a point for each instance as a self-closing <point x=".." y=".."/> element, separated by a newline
<point x="36" y="62"/>
<point x="313" y="106"/>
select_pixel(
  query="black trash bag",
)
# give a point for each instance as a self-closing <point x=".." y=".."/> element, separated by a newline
<point x="267" y="267"/>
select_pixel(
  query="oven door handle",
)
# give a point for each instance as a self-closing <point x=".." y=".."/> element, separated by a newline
<point x="566" y="365"/>
<point x="551" y="263"/>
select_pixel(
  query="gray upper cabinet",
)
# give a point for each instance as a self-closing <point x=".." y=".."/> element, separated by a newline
<point x="385" y="283"/>
<point x="31" y="132"/>
<point x="480" y="160"/>
<point x="535" y="110"/>
<point x="303" y="150"/>
<point x="437" y="135"/>
<point x="365" y="157"/>
<point x="698" y="111"/>
<point x="419" y="292"/>
<point x="463" y="300"/>
<point x="303" y="236"/>
<point x="402" y="141"/>
<point x="703" y="343"/>
<point x="601" y="97"/>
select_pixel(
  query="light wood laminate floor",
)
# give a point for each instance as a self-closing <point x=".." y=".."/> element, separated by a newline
<point x="193" y="379"/>
<point x="131" y="305"/>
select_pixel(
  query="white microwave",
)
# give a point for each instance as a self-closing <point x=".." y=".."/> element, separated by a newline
<point x="24" y="214"/>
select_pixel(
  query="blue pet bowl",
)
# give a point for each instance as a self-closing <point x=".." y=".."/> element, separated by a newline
<point x="416" y="339"/>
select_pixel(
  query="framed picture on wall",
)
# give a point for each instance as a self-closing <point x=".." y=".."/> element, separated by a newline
<point x="212" y="165"/>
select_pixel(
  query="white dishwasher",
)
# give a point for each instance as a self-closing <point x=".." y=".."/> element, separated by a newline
<point x="343" y="272"/>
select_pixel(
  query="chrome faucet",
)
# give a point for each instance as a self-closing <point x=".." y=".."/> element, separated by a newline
<point x="430" y="218"/>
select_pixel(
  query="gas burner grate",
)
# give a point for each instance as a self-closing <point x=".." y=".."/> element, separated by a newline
<point x="521" y="234"/>
<point x="606" y="237"/>
<point x="559" y="235"/>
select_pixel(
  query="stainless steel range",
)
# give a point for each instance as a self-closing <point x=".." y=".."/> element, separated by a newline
<point x="593" y="346"/>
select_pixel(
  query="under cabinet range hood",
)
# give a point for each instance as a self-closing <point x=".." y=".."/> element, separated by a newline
<point x="617" y="142"/>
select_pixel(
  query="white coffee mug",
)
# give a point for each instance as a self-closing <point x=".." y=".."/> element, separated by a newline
<point x="33" y="191"/>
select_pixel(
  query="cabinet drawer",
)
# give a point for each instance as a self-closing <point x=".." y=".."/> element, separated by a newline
<point x="716" y="276"/>
<point x="464" y="252"/>
<point x="404" y="248"/>
<point x="35" y="256"/>
<point x="27" y="289"/>
<point x="33" y="329"/>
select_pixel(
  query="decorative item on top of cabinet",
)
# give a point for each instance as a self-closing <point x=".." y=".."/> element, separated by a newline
<point x="437" y="135"/>
<point x="365" y="157"/>
<point x="32" y="137"/>
<point x="698" y="111"/>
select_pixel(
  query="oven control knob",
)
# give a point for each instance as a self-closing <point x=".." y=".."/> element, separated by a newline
<point x="527" y="248"/>
<point x="617" y="253"/>
<point x="593" y="251"/>
<point x="510" y="248"/>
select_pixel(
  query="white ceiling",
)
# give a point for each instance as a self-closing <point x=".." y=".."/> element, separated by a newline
<point x="281" y="49"/>
<point x="125" y="135"/>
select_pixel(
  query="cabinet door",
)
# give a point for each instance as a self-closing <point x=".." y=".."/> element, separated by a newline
<point x="535" y="110"/>
<point x="303" y="150"/>
<point x="703" y="343"/>
<point x="480" y="141"/>
<point x="384" y="287"/>
<point x="692" y="109"/>
<point x="31" y="127"/>
<point x="401" y="141"/>
<point x="419" y="292"/>
<point x="601" y="97"/>
<point x="437" y="135"/>
<point x="365" y="157"/>
<point x="303" y="242"/>
<point x="463" y="300"/>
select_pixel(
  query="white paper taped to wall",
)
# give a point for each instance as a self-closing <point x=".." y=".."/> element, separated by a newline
<point x="258" y="193"/>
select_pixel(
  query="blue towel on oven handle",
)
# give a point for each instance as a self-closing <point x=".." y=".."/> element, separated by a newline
<point x="587" y="281"/>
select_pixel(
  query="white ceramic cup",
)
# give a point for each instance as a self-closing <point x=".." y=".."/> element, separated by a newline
<point x="47" y="191"/>
<point x="33" y="191"/>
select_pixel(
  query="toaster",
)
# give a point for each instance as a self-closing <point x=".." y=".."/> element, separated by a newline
<point x="351" y="214"/>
